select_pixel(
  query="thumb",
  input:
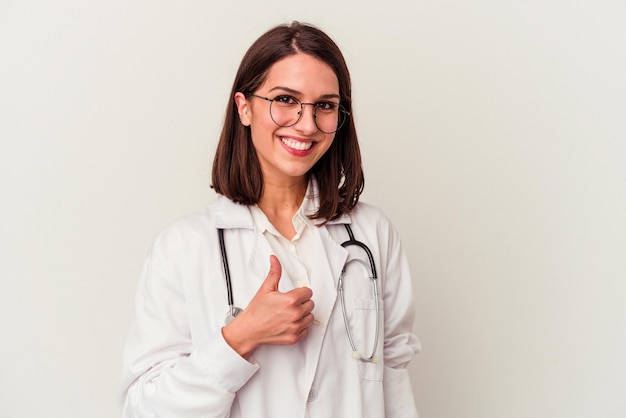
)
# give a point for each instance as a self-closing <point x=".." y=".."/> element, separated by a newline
<point x="273" y="277"/>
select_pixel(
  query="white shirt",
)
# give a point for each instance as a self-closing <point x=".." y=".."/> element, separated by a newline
<point x="294" y="254"/>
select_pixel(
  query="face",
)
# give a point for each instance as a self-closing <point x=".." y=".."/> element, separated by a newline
<point x="288" y="153"/>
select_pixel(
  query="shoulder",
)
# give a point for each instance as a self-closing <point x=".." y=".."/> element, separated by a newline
<point x="370" y="223"/>
<point x="197" y="227"/>
<point x="184" y="232"/>
<point x="366" y="213"/>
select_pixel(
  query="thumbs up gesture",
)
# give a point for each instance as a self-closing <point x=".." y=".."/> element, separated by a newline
<point x="271" y="317"/>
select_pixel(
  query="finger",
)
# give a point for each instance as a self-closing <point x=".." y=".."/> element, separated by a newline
<point x="307" y="320"/>
<point x="304" y="333"/>
<point x="305" y="323"/>
<point x="301" y="328"/>
<point x="301" y="294"/>
<point x="296" y="337"/>
<point x="273" y="277"/>
<point x="307" y="307"/>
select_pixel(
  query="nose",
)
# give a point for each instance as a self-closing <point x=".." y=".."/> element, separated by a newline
<point x="306" y="124"/>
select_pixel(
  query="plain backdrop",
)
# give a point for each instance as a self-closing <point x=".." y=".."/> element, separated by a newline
<point x="493" y="135"/>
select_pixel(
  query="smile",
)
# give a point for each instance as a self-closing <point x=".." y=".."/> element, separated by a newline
<point x="296" y="145"/>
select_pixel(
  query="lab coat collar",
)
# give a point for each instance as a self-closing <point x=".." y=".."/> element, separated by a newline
<point x="229" y="214"/>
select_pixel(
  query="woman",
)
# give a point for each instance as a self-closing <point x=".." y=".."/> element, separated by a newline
<point x="317" y="336"/>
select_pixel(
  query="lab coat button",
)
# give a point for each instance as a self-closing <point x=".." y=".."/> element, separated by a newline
<point x="312" y="395"/>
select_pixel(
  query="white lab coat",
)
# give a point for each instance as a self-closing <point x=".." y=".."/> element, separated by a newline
<point x="177" y="364"/>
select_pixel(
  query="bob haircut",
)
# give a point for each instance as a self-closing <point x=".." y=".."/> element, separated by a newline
<point x="236" y="170"/>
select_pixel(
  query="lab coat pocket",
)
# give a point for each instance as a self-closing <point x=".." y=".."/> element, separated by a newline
<point x="366" y="322"/>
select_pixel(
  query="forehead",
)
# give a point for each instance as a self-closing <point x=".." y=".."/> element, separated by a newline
<point x="303" y="73"/>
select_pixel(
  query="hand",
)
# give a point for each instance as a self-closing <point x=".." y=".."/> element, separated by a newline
<point x="271" y="317"/>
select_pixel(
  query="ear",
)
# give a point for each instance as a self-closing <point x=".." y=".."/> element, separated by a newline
<point x="243" y="108"/>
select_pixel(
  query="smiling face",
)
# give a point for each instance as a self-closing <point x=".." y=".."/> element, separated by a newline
<point x="288" y="153"/>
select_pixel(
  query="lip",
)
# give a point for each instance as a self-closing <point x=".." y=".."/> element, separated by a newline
<point x="296" y="152"/>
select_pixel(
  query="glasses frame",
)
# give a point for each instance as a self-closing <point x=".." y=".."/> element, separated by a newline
<point x="342" y="120"/>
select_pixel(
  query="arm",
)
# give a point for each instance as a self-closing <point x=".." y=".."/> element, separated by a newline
<point x="165" y="374"/>
<point x="400" y="344"/>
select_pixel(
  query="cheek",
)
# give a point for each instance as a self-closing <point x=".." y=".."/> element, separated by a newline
<point x="262" y="131"/>
<point x="330" y="139"/>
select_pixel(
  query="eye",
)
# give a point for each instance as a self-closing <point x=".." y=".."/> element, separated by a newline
<point x="286" y="100"/>
<point x="326" y="106"/>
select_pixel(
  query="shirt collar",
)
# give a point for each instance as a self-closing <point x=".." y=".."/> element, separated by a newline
<point x="300" y="219"/>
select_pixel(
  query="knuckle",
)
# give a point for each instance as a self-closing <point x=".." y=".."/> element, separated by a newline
<point x="291" y="299"/>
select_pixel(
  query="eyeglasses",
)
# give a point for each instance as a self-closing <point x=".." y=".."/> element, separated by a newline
<point x="286" y="111"/>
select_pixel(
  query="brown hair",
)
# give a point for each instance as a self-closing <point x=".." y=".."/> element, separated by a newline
<point x="236" y="168"/>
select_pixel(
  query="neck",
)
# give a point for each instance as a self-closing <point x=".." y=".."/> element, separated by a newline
<point x="282" y="199"/>
<point x="280" y="202"/>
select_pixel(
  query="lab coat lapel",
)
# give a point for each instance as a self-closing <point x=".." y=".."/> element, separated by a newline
<point x="248" y="244"/>
<point x="328" y="261"/>
<point x="329" y="257"/>
<point x="253" y="246"/>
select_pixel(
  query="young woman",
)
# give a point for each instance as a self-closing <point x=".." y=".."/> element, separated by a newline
<point x="286" y="297"/>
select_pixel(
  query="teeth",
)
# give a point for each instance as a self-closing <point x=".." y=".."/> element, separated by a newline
<point x="297" y="145"/>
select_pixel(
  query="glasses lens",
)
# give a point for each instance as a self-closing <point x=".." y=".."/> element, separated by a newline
<point x="329" y="117"/>
<point x="285" y="112"/>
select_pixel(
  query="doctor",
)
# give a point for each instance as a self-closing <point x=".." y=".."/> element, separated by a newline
<point x="253" y="308"/>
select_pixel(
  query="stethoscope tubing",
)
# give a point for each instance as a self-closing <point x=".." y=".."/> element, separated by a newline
<point x="358" y="243"/>
<point x="374" y="277"/>
<point x="233" y="310"/>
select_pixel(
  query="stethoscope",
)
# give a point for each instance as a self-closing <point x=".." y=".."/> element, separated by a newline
<point x="233" y="310"/>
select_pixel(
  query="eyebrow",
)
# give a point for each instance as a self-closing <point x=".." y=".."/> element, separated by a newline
<point x="296" y="92"/>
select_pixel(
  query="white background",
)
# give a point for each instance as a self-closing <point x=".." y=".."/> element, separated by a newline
<point x="493" y="135"/>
